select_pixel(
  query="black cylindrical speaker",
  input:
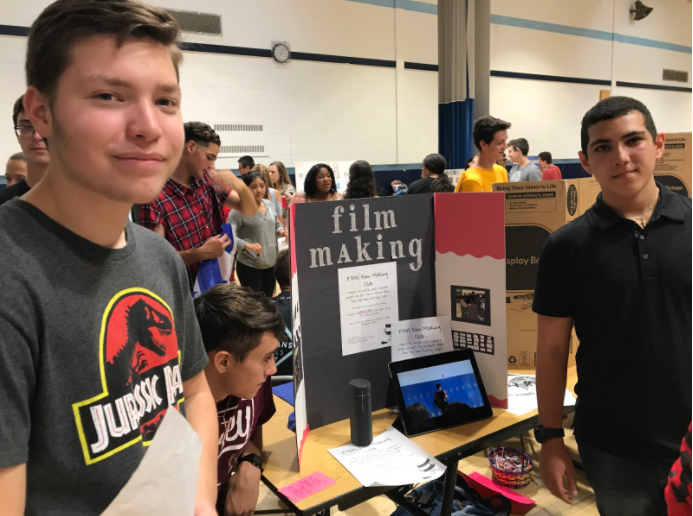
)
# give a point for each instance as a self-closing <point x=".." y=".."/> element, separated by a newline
<point x="361" y="421"/>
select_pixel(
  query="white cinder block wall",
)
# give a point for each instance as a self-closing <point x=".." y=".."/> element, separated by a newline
<point x="324" y="111"/>
<point x="547" y="113"/>
<point x="311" y="110"/>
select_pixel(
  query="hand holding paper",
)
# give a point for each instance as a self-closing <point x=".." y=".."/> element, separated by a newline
<point x="165" y="482"/>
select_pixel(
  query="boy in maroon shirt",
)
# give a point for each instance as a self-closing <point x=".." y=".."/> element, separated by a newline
<point x="240" y="329"/>
<point x="549" y="171"/>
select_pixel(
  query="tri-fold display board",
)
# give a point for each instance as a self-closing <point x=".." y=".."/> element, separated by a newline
<point x="359" y="266"/>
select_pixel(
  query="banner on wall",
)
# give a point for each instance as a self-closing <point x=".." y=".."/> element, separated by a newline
<point x="340" y="169"/>
<point x="470" y="281"/>
<point x="454" y="174"/>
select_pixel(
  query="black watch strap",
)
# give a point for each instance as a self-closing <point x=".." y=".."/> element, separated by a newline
<point x="253" y="458"/>
<point x="542" y="434"/>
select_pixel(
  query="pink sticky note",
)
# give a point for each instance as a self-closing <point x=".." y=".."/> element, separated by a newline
<point x="307" y="486"/>
<point x="487" y="487"/>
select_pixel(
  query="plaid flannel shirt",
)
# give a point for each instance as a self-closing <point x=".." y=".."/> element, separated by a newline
<point x="190" y="216"/>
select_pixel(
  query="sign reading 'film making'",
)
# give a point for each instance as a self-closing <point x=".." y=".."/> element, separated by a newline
<point x="364" y="266"/>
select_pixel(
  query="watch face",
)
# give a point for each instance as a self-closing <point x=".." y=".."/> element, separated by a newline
<point x="280" y="53"/>
<point x="539" y="434"/>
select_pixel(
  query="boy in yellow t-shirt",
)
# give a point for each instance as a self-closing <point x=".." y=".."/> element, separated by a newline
<point x="490" y="135"/>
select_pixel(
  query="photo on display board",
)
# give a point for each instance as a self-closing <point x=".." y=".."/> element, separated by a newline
<point x="470" y="305"/>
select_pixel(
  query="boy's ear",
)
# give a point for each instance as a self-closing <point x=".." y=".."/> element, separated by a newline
<point x="37" y="110"/>
<point x="222" y="361"/>
<point x="584" y="162"/>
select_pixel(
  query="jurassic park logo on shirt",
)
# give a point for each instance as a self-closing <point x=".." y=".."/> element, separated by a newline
<point x="139" y="365"/>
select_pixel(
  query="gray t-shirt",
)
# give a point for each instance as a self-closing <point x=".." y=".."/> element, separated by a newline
<point x="529" y="172"/>
<point x="95" y="345"/>
<point x="258" y="229"/>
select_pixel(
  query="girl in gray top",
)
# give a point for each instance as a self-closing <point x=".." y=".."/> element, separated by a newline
<point x="256" y="239"/>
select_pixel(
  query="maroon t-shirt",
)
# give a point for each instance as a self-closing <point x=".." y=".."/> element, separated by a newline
<point x="238" y="419"/>
<point x="551" y="173"/>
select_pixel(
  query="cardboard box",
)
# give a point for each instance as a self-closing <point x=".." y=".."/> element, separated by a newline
<point x="533" y="210"/>
<point x="674" y="169"/>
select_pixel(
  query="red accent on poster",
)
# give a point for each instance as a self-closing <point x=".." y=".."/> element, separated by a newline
<point x="482" y="217"/>
<point x="292" y="218"/>
<point x="498" y="403"/>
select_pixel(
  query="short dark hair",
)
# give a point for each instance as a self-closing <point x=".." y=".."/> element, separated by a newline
<point x="361" y="181"/>
<point x="309" y="185"/>
<point x="234" y="318"/>
<point x="442" y="184"/>
<point x="17" y="109"/>
<point x="546" y="156"/>
<point x="435" y="163"/>
<point x="610" y="108"/>
<point x="246" y="161"/>
<point x="520" y="144"/>
<point x="201" y="134"/>
<point x="437" y="386"/>
<point x="282" y="268"/>
<point x="252" y="176"/>
<point x="65" y="23"/>
<point x="17" y="156"/>
<point x="418" y="413"/>
<point x="485" y="129"/>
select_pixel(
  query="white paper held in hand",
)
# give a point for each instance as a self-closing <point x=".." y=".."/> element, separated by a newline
<point x="165" y="482"/>
<point x="390" y="460"/>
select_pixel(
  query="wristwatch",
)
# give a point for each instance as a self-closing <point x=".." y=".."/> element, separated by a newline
<point x="253" y="458"/>
<point x="542" y="434"/>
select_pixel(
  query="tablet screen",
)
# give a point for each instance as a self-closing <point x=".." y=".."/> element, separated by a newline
<point x="437" y="396"/>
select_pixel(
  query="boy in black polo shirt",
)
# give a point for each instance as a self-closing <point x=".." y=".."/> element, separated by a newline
<point x="622" y="274"/>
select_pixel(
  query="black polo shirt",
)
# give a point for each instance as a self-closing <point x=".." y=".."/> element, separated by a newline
<point x="628" y="291"/>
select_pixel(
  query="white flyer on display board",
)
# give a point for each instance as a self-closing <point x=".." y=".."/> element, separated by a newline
<point x="420" y="337"/>
<point x="522" y="394"/>
<point x="368" y="306"/>
<point x="390" y="460"/>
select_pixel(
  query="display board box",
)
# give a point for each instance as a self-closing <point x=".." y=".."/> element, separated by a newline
<point x="533" y="210"/>
<point x="674" y="168"/>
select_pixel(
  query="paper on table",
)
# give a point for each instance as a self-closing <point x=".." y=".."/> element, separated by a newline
<point x="307" y="486"/>
<point x="368" y="306"/>
<point x="420" y="337"/>
<point x="522" y="394"/>
<point x="390" y="460"/>
<point x="165" y="482"/>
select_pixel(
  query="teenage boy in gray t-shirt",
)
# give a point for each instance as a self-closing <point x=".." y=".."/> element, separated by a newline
<point x="522" y="169"/>
<point x="98" y="337"/>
